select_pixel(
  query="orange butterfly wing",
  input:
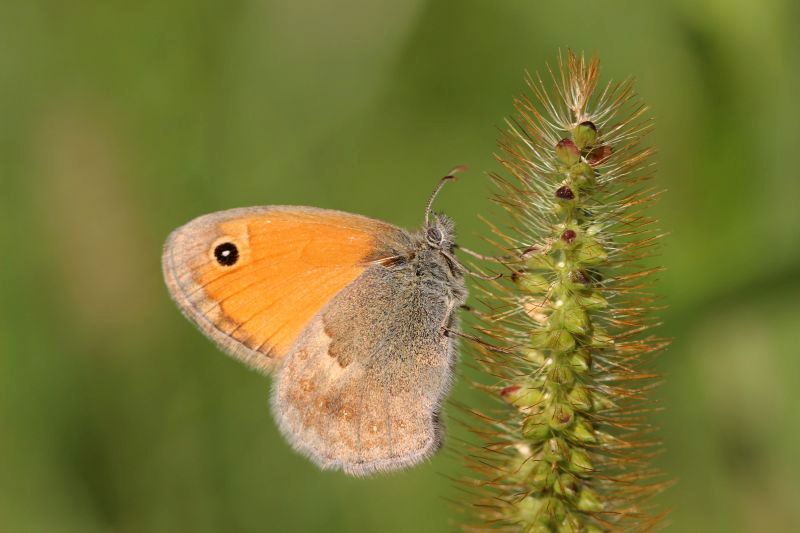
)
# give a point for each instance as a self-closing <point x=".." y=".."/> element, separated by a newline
<point x="290" y="261"/>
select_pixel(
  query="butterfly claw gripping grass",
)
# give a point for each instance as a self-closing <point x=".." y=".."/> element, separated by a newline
<point x="567" y="338"/>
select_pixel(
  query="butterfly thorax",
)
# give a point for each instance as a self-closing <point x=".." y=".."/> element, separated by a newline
<point x="434" y="261"/>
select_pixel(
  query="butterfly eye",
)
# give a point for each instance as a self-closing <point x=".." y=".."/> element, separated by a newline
<point x="226" y="253"/>
<point x="434" y="235"/>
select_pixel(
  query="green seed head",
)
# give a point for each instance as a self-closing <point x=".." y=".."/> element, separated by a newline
<point x="589" y="501"/>
<point x="560" y="416"/>
<point x="567" y="152"/>
<point x="584" y="134"/>
<point x="578" y="213"/>
<point x="579" y="461"/>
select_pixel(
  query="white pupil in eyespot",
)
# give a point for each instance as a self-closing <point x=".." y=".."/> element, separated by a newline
<point x="226" y="254"/>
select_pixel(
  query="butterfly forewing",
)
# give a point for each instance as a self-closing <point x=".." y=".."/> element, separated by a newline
<point x="253" y="278"/>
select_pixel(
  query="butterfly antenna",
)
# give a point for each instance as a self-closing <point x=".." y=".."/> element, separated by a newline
<point x="450" y="176"/>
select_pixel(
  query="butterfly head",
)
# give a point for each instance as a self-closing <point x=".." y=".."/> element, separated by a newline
<point x="440" y="233"/>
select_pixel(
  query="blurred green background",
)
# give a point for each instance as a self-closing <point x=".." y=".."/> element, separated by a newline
<point x="122" y="120"/>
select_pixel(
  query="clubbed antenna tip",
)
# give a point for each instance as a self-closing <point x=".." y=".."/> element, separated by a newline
<point x="451" y="176"/>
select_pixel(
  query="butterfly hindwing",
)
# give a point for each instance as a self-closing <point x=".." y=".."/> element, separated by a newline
<point x="361" y="388"/>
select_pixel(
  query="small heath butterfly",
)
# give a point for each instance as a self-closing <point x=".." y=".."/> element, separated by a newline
<point x="356" y="318"/>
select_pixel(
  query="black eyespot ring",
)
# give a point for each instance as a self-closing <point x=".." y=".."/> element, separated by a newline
<point x="434" y="235"/>
<point x="227" y="254"/>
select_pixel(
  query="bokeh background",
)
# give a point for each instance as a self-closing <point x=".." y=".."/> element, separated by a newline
<point x="122" y="120"/>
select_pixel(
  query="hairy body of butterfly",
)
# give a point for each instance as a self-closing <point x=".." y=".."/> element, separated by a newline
<point x="355" y="317"/>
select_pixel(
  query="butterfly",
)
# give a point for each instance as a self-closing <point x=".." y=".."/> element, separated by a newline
<point x="356" y="318"/>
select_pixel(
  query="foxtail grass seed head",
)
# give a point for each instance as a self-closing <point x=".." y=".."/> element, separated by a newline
<point x="566" y="338"/>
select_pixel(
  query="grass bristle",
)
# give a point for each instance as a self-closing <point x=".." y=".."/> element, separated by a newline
<point x="565" y="340"/>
